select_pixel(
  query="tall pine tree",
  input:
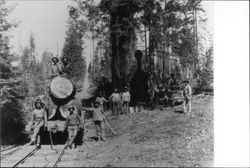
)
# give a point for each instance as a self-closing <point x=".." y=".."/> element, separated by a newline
<point x="12" y="90"/>
<point x="73" y="46"/>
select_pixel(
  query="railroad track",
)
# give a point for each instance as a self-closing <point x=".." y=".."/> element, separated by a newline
<point x="8" y="148"/>
<point x="32" y="152"/>
<point x="9" y="151"/>
<point x="60" y="156"/>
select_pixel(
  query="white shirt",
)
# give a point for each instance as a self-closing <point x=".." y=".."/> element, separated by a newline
<point x="126" y="96"/>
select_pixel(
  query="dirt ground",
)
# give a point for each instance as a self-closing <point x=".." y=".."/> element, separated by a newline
<point x="153" y="138"/>
<point x="165" y="137"/>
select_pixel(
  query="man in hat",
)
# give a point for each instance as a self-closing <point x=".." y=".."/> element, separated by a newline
<point x="101" y="99"/>
<point x="98" y="118"/>
<point x="66" y="69"/>
<point x="115" y="99"/>
<point x="187" y="93"/>
<point x="55" y="68"/>
<point x="125" y="100"/>
<point x="38" y="120"/>
<point x="73" y="123"/>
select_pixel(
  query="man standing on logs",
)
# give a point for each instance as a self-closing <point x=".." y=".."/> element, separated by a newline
<point x="38" y="120"/>
<point x="73" y="124"/>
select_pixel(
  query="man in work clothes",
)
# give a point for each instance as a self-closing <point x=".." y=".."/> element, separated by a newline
<point x="125" y="100"/>
<point x="73" y="124"/>
<point x="98" y="118"/>
<point x="55" y="68"/>
<point x="101" y="99"/>
<point x="115" y="98"/>
<point x="66" y="69"/>
<point x="187" y="93"/>
<point x="38" y="120"/>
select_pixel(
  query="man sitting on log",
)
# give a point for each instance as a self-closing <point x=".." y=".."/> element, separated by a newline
<point x="66" y="69"/>
<point x="55" y="68"/>
<point x="73" y="124"/>
<point x="38" y="120"/>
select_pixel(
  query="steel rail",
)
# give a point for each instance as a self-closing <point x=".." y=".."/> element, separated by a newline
<point x="59" y="157"/>
<point x="8" y="148"/>
<point x="26" y="156"/>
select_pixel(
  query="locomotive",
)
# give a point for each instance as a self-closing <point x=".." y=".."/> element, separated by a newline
<point x="61" y="93"/>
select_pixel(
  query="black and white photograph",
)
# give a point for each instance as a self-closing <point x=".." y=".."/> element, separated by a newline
<point x="107" y="83"/>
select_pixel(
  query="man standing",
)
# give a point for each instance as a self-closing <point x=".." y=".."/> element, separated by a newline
<point x="73" y="124"/>
<point x="98" y="118"/>
<point x="125" y="100"/>
<point x="187" y="93"/>
<point x="170" y="91"/>
<point x="38" y="120"/>
<point x="115" y="98"/>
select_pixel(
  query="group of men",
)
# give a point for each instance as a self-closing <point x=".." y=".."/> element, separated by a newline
<point x="72" y="124"/>
<point x="120" y="101"/>
<point x="165" y="94"/>
<point x="58" y="68"/>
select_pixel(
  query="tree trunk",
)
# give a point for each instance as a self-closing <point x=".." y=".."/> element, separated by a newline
<point x="122" y="47"/>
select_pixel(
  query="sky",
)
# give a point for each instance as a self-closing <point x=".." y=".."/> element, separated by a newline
<point x="47" y="20"/>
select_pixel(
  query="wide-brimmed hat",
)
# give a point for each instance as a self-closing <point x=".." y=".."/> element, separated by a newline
<point x="55" y="58"/>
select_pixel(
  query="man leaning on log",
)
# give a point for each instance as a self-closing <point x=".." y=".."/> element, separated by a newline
<point x="38" y="121"/>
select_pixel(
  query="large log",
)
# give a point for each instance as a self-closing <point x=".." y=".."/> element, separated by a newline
<point x="62" y="90"/>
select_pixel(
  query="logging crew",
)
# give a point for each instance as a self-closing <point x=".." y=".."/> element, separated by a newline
<point x="98" y="118"/>
<point x="73" y="123"/>
<point x="55" y="68"/>
<point x="125" y="100"/>
<point x="115" y="99"/>
<point x="187" y="93"/>
<point x="38" y="120"/>
<point x="101" y="99"/>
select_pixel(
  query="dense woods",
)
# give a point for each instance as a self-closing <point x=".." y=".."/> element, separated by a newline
<point x="12" y="87"/>
<point x="170" y="34"/>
